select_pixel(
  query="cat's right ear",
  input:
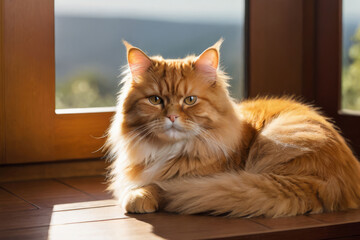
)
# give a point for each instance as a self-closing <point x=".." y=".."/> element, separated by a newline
<point x="208" y="62"/>
<point x="138" y="61"/>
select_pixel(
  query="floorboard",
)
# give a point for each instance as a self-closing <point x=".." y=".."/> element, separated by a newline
<point x="288" y="222"/>
<point x="10" y="202"/>
<point x="80" y="208"/>
<point x="95" y="186"/>
<point x="46" y="193"/>
<point x="349" y="216"/>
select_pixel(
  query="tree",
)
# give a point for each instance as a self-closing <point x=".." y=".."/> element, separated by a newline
<point x="351" y="76"/>
<point x="86" y="90"/>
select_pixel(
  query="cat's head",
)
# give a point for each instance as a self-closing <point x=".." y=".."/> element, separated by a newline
<point x="174" y="99"/>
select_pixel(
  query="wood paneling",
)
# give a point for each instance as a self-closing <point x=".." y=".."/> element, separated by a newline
<point x="34" y="133"/>
<point x="17" y="172"/>
<point x="308" y="48"/>
<point x="80" y="136"/>
<point x="281" y="48"/>
<point x="2" y="86"/>
<point x="275" y="47"/>
<point x="328" y="69"/>
<point x="328" y="52"/>
<point x="28" y="53"/>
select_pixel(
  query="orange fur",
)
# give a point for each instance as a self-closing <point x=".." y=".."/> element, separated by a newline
<point x="268" y="156"/>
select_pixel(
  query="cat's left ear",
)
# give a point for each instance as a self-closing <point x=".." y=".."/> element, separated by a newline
<point x="138" y="61"/>
<point x="208" y="62"/>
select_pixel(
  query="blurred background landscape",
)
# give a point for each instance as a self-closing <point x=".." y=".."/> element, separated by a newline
<point x="90" y="53"/>
<point x="89" y="49"/>
<point x="350" y="87"/>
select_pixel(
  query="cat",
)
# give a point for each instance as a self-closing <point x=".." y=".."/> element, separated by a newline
<point x="180" y="143"/>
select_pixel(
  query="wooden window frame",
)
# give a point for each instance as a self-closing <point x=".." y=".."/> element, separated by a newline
<point x="315" y="74"/>
<point x="329" y="67"/>
<point x="31" y="131"/>
<point x="285" y="53"/>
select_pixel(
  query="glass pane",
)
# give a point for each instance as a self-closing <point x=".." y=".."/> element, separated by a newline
<point x="351" y="55"/>
<point x="89" y="49"/>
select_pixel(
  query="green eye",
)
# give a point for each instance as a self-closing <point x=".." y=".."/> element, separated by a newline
<point x="190" y="100"/>
<point x="156" y="100"/>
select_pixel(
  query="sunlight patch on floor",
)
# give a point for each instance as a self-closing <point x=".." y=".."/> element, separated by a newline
<point x="87" y="204"/>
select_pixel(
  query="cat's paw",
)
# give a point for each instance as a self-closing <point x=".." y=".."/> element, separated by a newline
<point x="141" y="200"/>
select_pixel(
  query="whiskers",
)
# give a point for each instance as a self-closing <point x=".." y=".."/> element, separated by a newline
<point x="135" y="136"/>
<point x="118" y="145"/>
<point x="194" y="135"/>
<point x="214" y="145"/>
<point x="103" y="147"/>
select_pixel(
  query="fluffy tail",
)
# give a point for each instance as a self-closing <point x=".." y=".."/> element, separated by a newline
<point x="247" y="194"/>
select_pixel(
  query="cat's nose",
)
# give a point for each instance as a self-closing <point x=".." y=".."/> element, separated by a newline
<point x="172" y="117"/>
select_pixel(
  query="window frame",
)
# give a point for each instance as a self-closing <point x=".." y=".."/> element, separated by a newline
<point x="320" y="66"/>
<point x="30" y="131"/>
<point x="329" y="70"/>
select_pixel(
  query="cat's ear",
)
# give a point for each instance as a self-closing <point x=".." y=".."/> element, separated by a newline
<point x="208" y="62"/>
<point x="138" y="61"/>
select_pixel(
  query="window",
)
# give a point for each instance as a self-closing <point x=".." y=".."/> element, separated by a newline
<point x="293" y="47"/>
<point x="31" y="131"/>
<point x="351" y="56"/>
<point x="89" y="52"/>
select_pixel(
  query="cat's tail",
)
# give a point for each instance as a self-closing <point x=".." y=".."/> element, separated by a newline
<point x="244" y="194"/>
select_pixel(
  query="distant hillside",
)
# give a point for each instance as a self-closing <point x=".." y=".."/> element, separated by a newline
<point x="95" y="44"/>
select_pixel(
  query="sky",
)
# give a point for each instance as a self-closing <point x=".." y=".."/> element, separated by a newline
<point x="351" y="8"/>
<point x="221" y="11"/>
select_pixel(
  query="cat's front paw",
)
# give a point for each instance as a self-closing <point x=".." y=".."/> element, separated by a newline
<point x="142" y="200"/>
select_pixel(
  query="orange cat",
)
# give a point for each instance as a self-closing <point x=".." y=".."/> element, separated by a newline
<point x="179" y="142"/>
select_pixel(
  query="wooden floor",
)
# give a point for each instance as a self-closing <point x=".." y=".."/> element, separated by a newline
<point x="78" y="208"/>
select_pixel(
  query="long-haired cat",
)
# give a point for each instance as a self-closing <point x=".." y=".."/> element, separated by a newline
<point x="180" y="143"/>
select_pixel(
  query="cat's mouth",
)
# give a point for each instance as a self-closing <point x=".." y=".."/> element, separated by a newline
<point x="174" y="132"/>
<point x="175" y="127"/>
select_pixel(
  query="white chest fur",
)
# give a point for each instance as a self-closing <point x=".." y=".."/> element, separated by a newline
<point x="156" y="157"/>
